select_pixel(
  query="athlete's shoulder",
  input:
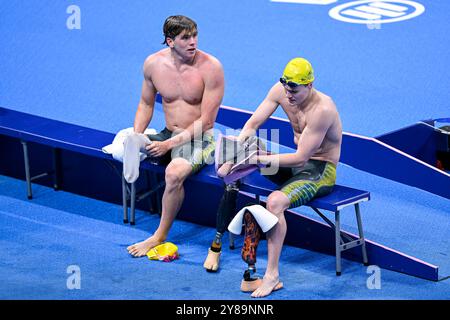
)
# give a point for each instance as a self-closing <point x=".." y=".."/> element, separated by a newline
<point x="325" y="103"/>
<point x="210" y="68"/>
<point x="276" y="93"/>
<point x="156" y="58"/>
<point x="207" y="60"/>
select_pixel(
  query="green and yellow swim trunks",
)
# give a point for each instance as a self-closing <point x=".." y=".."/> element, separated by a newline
<point x="196" y="152"/>
<point x="315" y="179"/>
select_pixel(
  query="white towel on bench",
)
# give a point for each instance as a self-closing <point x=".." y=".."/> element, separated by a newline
<point x="116" y="147"/>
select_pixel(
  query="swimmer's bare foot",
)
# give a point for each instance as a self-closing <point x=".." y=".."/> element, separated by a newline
<point x="268" y="285"/>
<point x="140" y="249"/>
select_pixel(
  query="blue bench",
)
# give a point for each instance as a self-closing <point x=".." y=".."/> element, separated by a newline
<point x="60" y="135"/>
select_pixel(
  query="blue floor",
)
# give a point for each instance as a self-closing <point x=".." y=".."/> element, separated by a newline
<point x="42" y="238"/>
<point x="381" y="80"/>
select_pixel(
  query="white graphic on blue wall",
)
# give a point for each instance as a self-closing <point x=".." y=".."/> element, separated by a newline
<point x="376" y="12"/>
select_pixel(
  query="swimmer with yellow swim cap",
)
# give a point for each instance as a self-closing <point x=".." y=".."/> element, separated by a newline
<point x="298" y="71"/>
<point x="308" y="172"/>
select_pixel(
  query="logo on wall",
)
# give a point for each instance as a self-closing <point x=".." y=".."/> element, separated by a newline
<point x="376" y="12"/>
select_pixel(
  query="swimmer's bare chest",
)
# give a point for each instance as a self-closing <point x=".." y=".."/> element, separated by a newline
<point x="186" y="85"/>
<point x="297" y="120"/>
<point x="182" y="94"/>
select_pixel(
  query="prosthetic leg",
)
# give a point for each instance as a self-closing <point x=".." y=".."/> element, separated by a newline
<point x="227" y="207"/>
<point x="253" y="234"/>
<point x="251" y="240"/>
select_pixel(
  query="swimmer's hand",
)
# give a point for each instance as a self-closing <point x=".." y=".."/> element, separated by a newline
<point x="224" y="169"/>
<point x="158" y="148"/>
<point x="263" y="159"/>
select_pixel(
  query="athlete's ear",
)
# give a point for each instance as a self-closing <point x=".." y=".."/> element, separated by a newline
<point x="170" y="42"/>
<point x="310" y="85"/>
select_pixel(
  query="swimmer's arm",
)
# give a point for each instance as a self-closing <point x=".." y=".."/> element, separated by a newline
<point x="211" y="100"/>
<point x="309" y="142"/>
<point x="146" y="106"/>
<point x="265" y="109"/>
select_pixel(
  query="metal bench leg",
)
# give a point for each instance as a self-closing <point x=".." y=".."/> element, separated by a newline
<point x="159" y="196"/>
<point x="133" y="203"/>
<point x="231" y="237"/>
<point x="338" y="242"/>
<point x="124" y="200"/>
<point x="27" y="169"/>
<point x="361" y="235"/>
<point x="156" y="196"/>
<point x="56" y="169"/>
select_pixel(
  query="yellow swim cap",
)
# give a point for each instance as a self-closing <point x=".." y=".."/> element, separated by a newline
<point x="166" y="252"/>
<point x="299" y="71"/>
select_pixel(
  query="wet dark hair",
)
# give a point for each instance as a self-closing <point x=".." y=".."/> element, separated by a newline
<point x="174" y="25"/>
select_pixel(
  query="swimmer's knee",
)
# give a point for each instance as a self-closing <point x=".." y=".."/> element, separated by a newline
<point x="277" y="202"/>
<point x="177" y="171"/>
<point x="173" y="178"/>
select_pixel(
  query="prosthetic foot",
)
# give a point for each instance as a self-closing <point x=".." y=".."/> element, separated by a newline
<point x="211" y="263"/>
<point x="251" y="283"/>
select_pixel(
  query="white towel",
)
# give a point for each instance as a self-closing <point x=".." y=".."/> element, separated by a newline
<point x="116" y="147"/>
<point x="263" y="217"/>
